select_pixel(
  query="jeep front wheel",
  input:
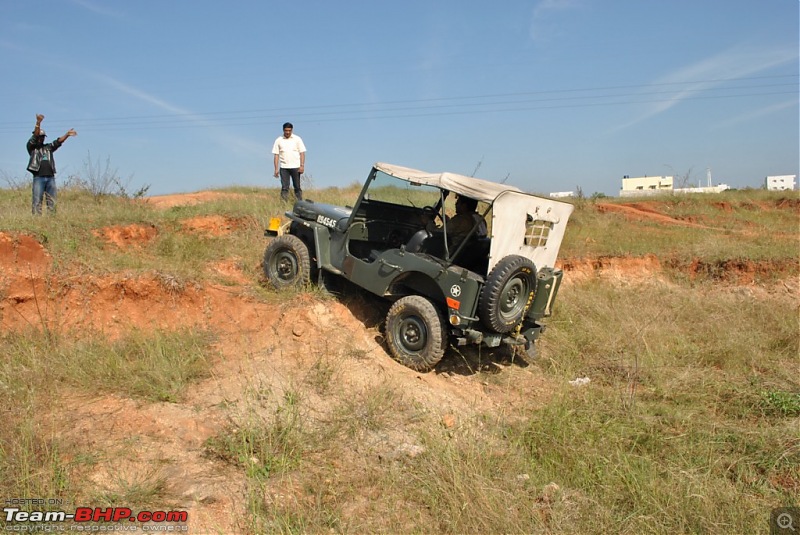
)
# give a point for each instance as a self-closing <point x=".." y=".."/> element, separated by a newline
<point x="287" y="262"/>
<point x="415" y="333"/>
<point x="507" y="292"/>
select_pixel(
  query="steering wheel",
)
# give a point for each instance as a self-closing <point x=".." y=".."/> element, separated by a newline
<point x="430" y="212"/>
<point x="395" y="238"/>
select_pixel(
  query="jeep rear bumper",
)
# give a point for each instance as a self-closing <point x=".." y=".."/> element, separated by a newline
<point x="530" y="331"/>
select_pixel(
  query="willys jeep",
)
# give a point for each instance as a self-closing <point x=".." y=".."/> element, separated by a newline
<point x="487" y="289"/>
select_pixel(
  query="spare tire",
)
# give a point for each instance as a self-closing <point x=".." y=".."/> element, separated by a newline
<point x="507" y="293"/>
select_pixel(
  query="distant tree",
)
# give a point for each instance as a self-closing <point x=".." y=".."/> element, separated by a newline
<point x="683" y="180"/>
<point x="103" y="180"/>
<point x="14" y="182"/>
<point x="308" y="181"/>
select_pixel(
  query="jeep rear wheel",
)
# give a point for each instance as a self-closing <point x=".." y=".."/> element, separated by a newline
<point x="415" y="333"/>
<point x="507" y="292"/>
<point x="287" y="262"/>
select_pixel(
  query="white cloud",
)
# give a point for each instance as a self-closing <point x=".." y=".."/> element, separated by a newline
<point x="234" y="142"/>
<point x="99" y="9"/>
<point x="755" y="114"/>
<point x="713" y="72"/>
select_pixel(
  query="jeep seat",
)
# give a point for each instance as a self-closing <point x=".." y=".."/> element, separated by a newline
<point x="417" y="241"/>
<point x="475" y="255"/>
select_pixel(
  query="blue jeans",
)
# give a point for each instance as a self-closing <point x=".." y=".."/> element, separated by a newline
<point x="44" y="187"/>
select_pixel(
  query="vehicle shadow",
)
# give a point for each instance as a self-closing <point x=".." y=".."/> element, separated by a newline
<point x="367" y="308"/>
<point x="475" y="359"/>
<point x="464" y="360"/>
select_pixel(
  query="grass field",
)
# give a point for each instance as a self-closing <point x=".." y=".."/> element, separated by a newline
<point x="689" y="423"/>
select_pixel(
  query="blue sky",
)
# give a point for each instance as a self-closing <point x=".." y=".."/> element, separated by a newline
<point x="548" y="95"/>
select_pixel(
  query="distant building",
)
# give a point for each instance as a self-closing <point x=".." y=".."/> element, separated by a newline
<point x="646" y="185"/>
<point x="654" y="185"/>
<point x="561" y="194"/>
<point x="707" y="189"/>
<point x="780" y="182"/>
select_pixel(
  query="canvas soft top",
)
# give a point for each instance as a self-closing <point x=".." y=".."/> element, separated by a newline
<point x="475" y="188"/>
<point x="514" y="215"/>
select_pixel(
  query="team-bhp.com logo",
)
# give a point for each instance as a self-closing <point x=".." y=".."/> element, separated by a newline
<point x="91" y="519"/>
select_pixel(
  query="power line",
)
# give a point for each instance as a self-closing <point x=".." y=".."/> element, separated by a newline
<point x="491" y="103"/>
<point x="392" y="114"/>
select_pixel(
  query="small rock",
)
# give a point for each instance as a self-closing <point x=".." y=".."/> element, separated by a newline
<point x="411" y="450"/>
<point x="550" y="491"/>
<point x="580" y="381"/>
<point x="449" y="421"/>
<point x="403" y="450"/>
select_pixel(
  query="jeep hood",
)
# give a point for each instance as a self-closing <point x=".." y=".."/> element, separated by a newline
<point x="311" y="211"/>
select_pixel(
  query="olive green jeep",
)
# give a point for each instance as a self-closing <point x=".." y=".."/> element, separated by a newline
<point x="492" y="285"/>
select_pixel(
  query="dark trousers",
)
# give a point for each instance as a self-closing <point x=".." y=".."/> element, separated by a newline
<point x="294" y="176"/>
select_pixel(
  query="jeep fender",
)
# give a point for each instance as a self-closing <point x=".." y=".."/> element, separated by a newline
<point x="316" y="237"/>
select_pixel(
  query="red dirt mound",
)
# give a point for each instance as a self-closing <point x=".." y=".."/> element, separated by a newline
<point x="724" y="206"/>
<point x="628" y="269"/>
<point x="114" y="304"/>
<point x="188" y="199"/>
<point x="741" y="272"/>
<point x="212" y="225"/>
<point x="230" y="270"/>
<point x="127" y="235"/>
<point x="22" y="254"/>
<point x="644" y="212"/>
<point x="24" y="264"/>
<point x="788" y="204"/>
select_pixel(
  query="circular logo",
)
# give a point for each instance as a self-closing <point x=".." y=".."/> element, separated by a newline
<point x="455" y="290"/>
<point x="784" y="521"/>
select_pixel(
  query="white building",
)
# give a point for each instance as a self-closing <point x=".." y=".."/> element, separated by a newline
<point x="561" y="194"/>
<point x="780" y="182"/>
<point x="719" y="188"/>
<point x="645" y="185"/>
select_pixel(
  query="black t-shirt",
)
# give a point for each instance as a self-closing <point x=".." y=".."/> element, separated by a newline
<point x="46" y="166"/>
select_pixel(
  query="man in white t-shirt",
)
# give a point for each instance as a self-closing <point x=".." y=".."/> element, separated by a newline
<point x="290" y="161"/>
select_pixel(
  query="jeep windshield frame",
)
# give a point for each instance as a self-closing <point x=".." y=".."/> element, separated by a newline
<point x="389" y="189"/>
<point x="522" y="223"/>
<point x="382" y="187"/>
